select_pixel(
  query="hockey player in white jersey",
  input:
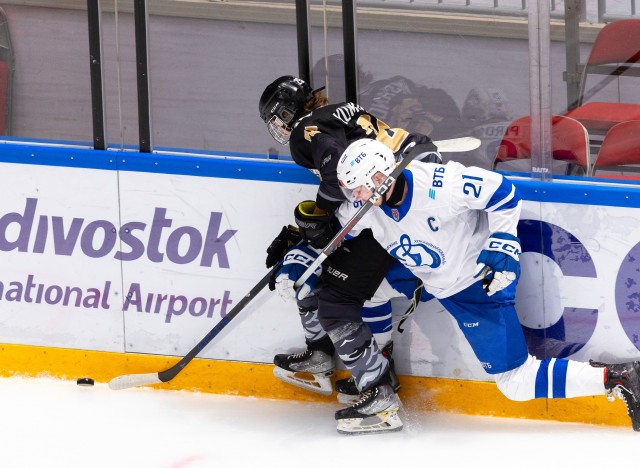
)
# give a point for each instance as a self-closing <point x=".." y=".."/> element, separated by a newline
<point x="317" y="133"/>
<point x="454" y="227"/>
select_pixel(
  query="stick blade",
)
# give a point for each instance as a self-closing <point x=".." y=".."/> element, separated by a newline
<point x="133" y="380"/>
<point x="458" y="145"/>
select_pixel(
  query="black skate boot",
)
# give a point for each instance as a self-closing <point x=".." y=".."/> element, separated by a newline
<point x="347" y="391"/>
<point x="311" y="369"/>
<point x="375" y="411"/>
<point x="623" y="381"/>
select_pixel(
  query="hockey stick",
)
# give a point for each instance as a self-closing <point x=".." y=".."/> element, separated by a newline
<point x="135" y="380"/>
<point x="444" y="146"/>
<point x="458" y="145"/>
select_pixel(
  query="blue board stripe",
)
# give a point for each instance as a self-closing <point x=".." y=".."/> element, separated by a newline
<point x="248" y="166"/>
<point x="229" y="167"/>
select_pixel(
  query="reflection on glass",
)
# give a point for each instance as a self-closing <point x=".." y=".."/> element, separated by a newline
<point x="6" y="75"/>
<point x="569" y="145"/>
<point x="607" y="97"/>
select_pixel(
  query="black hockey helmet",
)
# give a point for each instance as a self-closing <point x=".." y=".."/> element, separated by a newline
<point x="281" y="103"/>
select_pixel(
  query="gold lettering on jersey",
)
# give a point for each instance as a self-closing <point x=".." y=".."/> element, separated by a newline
<point x="367" y="125"/>
<point x="392" y="137"/>
<point x="346" y="112"/>
<point x="310" y="132"/>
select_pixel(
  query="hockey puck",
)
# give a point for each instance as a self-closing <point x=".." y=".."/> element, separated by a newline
<point x="85" y="382"/>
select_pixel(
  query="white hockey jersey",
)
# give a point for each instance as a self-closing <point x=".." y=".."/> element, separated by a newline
<point x="443" y="223"/>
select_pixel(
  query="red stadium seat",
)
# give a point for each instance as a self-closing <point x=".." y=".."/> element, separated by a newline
<point x="615" y="52"/>
<point x="620" y="149"/>
<point x="570" y="143"/>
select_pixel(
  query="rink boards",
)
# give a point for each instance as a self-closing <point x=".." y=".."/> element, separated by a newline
<point x="117" y="262"/>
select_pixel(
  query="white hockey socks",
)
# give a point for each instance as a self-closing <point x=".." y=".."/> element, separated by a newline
<point x="551" y="378"/>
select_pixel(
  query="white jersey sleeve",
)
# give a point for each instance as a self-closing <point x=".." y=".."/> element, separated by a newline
<point x="480" y="189"/>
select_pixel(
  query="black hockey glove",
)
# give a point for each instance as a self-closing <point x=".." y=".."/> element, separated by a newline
<point x="288" y="237"/>
<point x="316" y="229"/>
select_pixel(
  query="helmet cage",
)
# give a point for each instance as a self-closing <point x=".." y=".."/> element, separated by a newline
<point x="279" y="130"/>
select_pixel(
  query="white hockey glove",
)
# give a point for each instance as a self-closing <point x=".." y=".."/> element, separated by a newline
<point x="499" y="262"/>
<point x="294" y="264"/>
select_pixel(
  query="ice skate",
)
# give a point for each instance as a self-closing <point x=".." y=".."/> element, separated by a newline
<point x="347" y="391"/>
<point x="310" y="369"/>
<point x="623" y="381"/>
<point x="375" y="411"/>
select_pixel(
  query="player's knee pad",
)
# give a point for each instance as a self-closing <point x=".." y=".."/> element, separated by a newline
<point x="334" y="309"/>
<point x="308" y="304"/>
<point x="311" y="326"/>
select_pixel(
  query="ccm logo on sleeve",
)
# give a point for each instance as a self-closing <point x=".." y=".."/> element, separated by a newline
<point x="505" y="246"/>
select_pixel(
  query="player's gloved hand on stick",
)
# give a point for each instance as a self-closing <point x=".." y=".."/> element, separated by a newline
<point x="288" y="237"/>
<point x="294" y="264"/>
<point x="315" y="226"/>
<point x="499" y="262"/>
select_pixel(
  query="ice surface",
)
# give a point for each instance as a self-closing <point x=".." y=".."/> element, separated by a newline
<point x="55" y="423"/>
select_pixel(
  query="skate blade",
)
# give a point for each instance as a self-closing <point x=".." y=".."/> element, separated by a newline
<point x="316" y="383"/>
<point x="388" y="421"/>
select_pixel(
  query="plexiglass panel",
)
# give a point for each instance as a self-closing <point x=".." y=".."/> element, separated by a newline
<point x="429" y="72"/>
<point x="207" y="75"/>
<point x="119" y="74"/>
<point x="45" y="90"/>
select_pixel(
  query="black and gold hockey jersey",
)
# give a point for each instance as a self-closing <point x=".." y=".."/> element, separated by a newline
<point x="319" y="138"/>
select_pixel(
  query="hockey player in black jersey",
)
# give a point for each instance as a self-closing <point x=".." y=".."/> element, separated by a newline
<point x="322" y="132"/>
<point x="331" y="300"/>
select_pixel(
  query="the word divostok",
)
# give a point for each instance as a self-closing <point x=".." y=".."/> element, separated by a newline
<point x="99" y="238"/>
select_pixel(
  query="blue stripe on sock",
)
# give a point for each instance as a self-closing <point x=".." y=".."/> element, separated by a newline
<point x="379" y="318"/>
<point x="560" y="378"/>
<point x="381" y="326"/>
<point x="376" y="312"/>
<point x="542" y="380"/>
